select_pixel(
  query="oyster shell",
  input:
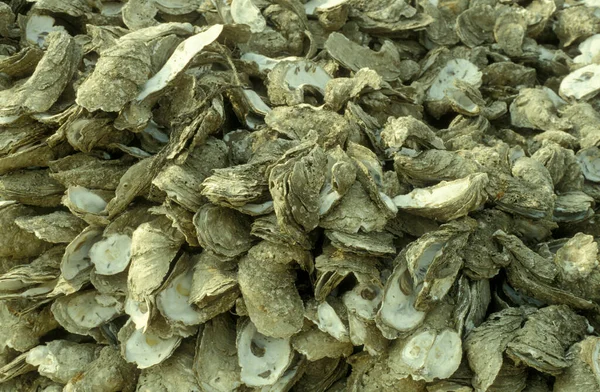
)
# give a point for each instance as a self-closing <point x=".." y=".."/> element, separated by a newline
<point x="262" y="359"/>
<point x="173" y="374"/>
<point x="50" y="78"/>
<point x="61" y="360"/>
<point x="57" y="227"/>
<point x="214" y="288"/>
<point x="266" y="279"/>
<point x="108" y="371"/>
<point x="222" y="230"/>
<point x="153" y="246"/>
<point x="84" y="311"/>
<point x="145" y="349"/>
<point x="582" y="373"/>
<point x="216" y="362"/>
<point x="448" y="200"/>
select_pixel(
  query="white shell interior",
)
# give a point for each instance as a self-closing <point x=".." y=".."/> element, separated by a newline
<point x="263" y="359"/>
<point x="76" y="256"/>
<point x="313" y="5"/>
<point x="245" y="12"/>
<point x="145" y="349"/>
<point x="139" y="312"/>
<point x="330" y="322"/>
<point x="173" y="300"/>
<point x="180" y="58"/>
<point x="588" y="48"/>
<point x="398" y="309"/>
<point x="364" y="306"/>
<point x="85" y="200"/>
<point x="38" y="27"/>
<point x="112" y="254"/>
<point x="91" y="310"/>
<point x="444" y="193"/>
<point x="589" y="160"/>
<point x="264" y="63"/>
<point x="583" y="83"/>
<point x="456" y="69"/>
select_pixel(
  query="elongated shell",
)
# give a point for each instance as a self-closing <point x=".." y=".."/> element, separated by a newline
<point x="447" y="200"/>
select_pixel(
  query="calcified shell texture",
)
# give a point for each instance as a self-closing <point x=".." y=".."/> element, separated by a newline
<point x="299" y="195"/>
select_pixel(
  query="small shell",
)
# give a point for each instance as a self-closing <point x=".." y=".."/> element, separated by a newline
<point x="35" y="279"/>
<point x="335" y="128"/>
<point x="87" y="204"/>
<point x="214" y="280"/>
<point x="369" y="374"/>
<point x="316" y="344"/>
<point x="243" y="187"/>
<point x="177" y="62"/>
<point x="173" y="298"/>
<point x="130" y="54"/>
<point x="386" y="62"/>
<point x="574" y="23"/>
<point x="355" y="211"/>
<point x="561" y="328"/>
<point x="544" y="116"/>
<point x="573" y="207"/>
<point x="397" y="313"/>
<point x="88" y="172"/>
<point x="485" y="345"/>
<point x="432" y="166"/>
<point x="111" y="255"/>
<point x="427" y="354"/>
<point x="582" y="84"/>
<point x="374" y="244"/>
<point x="27" y="327"/>
<point x="589" y="160"/>
<point x="339" y="91"/>
<point x="369" y="173"/>
<point x="408" y="132"/>
<point x="182" y="182"/>
<point x="38" y="93"/>
<point x="434" y="262"/>
<point x="295" y="182"/>
<point x="334" y="266"/>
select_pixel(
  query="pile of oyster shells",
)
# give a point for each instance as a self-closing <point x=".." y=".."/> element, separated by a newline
<point x="292" y="195"/>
